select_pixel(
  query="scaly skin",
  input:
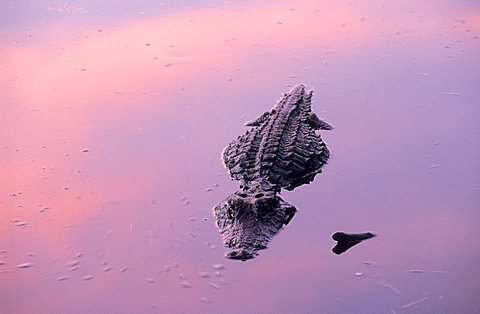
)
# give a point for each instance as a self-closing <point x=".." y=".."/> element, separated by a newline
<point x="281" y="150"/>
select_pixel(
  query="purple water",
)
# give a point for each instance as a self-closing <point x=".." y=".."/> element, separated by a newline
<point x="113" y="118"/>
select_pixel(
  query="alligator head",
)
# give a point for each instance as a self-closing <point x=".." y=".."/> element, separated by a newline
<point x="248" y="220"/>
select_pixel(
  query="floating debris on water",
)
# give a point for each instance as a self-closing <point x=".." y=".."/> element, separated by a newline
<point x="185" y="200"/>
<point x="204" y="300"/>
<point x="414" y="302"/>
<point x="391" y="287"/>
<point x="433" y="166"/>
<point x="123" y="269"/>
<point x="358" y="274"/>
<point x="41" y="210"/>
<point x="72" y="263"/>
<point x="208" y="189"/>
<point x="451" y="93"/>
<point x="87" y="277"/>
<point x="25" y="265"/>
<point x="192" y="234"/>
<point x="204" y="274"/>
<point x="107" y="268"/>
<point x="185" y="284"/>
<point x="422" y="271"/>
<point x="62" y="278"/>
<point x="214" y="285"/>
<point x="74" y="268"/>
<point x="218" y="266"/>
<point x="20" y="223"/>
<point x="85" y="150"/>
<point x="347" y="240"/>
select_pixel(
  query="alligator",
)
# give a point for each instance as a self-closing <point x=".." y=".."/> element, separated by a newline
<point x="281" y="150"/>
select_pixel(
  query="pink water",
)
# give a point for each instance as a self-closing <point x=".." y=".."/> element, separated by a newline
<point x="114" y="115"/>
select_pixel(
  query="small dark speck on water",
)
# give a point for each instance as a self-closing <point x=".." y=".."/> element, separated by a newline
<point x="85" y="150"/>
<point x="25" y="265"/>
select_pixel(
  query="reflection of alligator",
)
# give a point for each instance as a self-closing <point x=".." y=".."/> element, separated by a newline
<point x="281" y="150"/>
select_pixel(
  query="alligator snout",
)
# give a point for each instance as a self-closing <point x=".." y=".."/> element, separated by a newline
<point x="241" y="254"/>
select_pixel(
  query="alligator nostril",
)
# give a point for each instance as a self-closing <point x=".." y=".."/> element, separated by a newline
<point x="258" y="195"/>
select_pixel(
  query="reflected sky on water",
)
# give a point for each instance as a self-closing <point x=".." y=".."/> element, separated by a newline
<point x="114" y="116"/>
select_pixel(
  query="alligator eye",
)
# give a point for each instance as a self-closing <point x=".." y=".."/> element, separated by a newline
<point x="233" y="206"/>
<point x="230" y="213"/>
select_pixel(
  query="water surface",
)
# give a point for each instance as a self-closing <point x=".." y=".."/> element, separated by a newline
<point x="114" y="117"/>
